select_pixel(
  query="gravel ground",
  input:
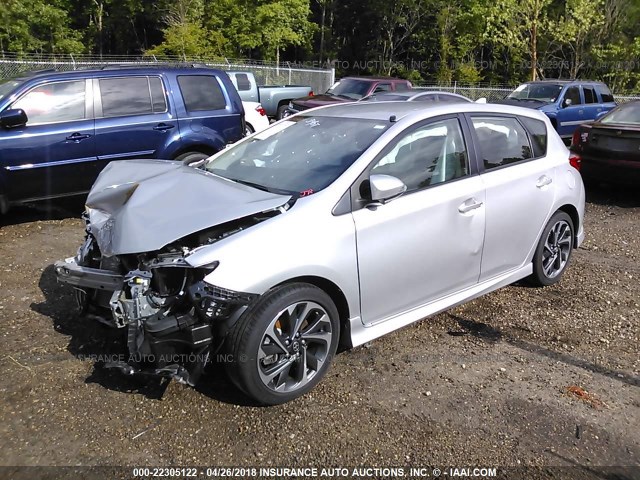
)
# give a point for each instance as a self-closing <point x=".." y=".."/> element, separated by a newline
<point x="528" y="377"/>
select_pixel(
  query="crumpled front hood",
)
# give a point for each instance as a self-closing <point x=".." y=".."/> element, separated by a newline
<point x="140" y="206"/>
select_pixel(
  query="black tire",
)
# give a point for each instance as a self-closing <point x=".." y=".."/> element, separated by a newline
<point x="248" y="130"/>
<point x="281" y="109"/>
<point x="192" y="157"/>
<point x="553" y="252"/>
<point x="264" y="326"/>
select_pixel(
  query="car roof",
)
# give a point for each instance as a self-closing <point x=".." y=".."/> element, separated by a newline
<point x="565" y="81"/>
<point x="415" y="92"/>
<point x="383" y="111"/>
<point x="377" y="79"/>
<point x="115" y="71"/>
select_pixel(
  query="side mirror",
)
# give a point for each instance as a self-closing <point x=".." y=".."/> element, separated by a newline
<point x="14" y="117"/>
<point x="567" y="102"/>
<point x="385" y="187"/>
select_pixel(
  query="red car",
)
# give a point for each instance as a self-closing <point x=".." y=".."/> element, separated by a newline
<point x="608" y="149"/>
<point x="349" y="89"/>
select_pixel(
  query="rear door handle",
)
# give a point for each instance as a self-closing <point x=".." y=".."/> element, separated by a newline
<point x="543" y="181"/>
<point x="76" y="137"/>
<point x="469" y="205"/>
<point x="163" y="126"/>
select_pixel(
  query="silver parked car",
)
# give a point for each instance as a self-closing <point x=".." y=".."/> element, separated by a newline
<point x="334" y="226"/>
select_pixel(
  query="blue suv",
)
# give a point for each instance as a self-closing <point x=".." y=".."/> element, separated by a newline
<point x="58" y="130"/>
<point x="568" y="103"/>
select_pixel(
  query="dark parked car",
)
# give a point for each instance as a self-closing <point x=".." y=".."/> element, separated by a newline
<point x="430" y="96"/>
<point x="608" y="150"/>
<point x="349" y="89"/>
<point x="568" y="103"/>
<point x="58" y="130"/>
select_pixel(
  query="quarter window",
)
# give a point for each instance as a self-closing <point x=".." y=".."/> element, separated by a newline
<point x="131" y="96"/>
<point x="538" y="135"/>
<point x="427" y="156"/>
<point x="502" y="140"/>
<point x="54" y="102"/>
<point x="605" y="93"/>
<point x="201" y="93"/>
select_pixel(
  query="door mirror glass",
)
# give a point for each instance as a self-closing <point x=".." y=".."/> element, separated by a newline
<point x="14" y="117"/>
<point x="385" y="187"/>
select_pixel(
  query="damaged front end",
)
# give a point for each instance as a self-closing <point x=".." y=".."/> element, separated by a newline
<point x="174" y="320"/>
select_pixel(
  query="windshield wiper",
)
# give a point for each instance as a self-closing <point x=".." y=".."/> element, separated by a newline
<point x="262" y="187"/>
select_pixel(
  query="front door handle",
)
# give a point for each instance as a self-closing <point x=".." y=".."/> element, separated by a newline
<point x="163" y="126"/>
<point x="543" y="181"/>
<point x="469" y="205"/>
<point x="77" y="136"/>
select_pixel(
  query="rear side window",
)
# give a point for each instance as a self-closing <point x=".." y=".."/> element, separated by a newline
<point x="605" y="93"/>
<point x="54" y="102"/>
<point x="503" y="141"/>
<point x="131" y="96"/>
<point x="242" y="79"/>
<point x="201" y="92"/>
<point x="538" y="134"/>
<point x="589" y="95"/>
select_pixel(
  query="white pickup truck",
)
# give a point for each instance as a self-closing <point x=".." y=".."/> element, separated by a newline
<point x="274" y="99"/>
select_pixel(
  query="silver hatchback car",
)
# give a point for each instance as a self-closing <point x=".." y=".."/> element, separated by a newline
<point x="337" y="225"/>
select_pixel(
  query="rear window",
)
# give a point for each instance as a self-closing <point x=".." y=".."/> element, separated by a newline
<point x="201" y="93"/>
<point x="131" y="96"/>
<point x="605" y="93"/>
<point x="589" y="95"/>
<point x="538" y="133"/>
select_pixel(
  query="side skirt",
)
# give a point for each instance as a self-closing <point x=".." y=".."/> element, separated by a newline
<point x="362" y="334"/>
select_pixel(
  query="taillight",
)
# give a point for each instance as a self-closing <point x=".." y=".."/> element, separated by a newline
<point x="311" y="93"/>
<point x="261" y="110"/>
<point x="575" y="139"/>
<point x="575" y="160"/>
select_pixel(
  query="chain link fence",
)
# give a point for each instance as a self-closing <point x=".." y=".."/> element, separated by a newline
<point x="266" y="73"/>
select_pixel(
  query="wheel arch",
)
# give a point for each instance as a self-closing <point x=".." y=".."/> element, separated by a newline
<point x="337" y="296"/>
<point x="199" y="148"/>
<point x="572" y="211"/>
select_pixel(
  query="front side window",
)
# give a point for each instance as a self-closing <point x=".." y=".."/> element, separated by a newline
<point x="201" y="93"/>
<point x="131" y="96"/>
<point x="300" y="155"/>
<point x="502" y="141"/>
<point x="572" y="94"/>
<point x="54" y="102"/>
<point x="429" y="155"/>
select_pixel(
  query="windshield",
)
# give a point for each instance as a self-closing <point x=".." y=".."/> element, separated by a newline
<point x="350" y="88"/>
<point x="300" y="155"/>
<point x="628" y="113"/>
<point x="544" y="92"/>
<point x="8" y="85"/>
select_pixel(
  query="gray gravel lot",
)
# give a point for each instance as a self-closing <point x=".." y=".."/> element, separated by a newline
<point x="521" y="377"/>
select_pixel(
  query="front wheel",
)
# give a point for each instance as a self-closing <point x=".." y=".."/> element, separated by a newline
<point x="553" y="251"/>
<point x="191" y="157"/>
<point x="283" y="346"/>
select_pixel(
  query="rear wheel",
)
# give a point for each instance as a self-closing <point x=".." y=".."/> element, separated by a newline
<point x="553" y="251"/>
<point x="248" y="130"/>
<point x="281" y="110"/>
<point x="283" y="346"/>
